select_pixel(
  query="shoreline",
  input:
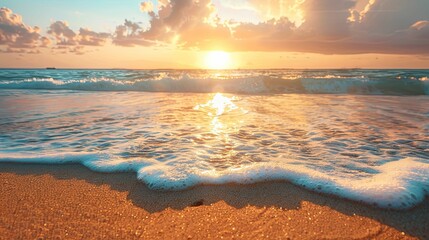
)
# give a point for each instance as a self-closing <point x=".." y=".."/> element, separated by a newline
<point x="71" y="201"/>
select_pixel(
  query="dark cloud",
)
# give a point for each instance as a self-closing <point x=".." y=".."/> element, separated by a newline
<point x="389" y="16"/>
<point x="327" y="18"/>
<point x="339" y="27"/>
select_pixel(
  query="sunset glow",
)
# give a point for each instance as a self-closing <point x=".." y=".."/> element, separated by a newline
<point x="217" y="106"/>
<point x="215" y="34"/>
<point x="217" y="60"/>
<point x="214" y="119"/>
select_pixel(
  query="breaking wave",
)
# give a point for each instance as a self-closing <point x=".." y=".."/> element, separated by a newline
<point x="247" y="83"/>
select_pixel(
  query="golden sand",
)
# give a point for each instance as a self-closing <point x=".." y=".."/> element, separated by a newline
<point x="72" y="202"/>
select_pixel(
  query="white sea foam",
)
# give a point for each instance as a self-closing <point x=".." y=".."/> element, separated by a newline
<point x="248" y="84"/>
<point x="365" y="148"/>
<point x="399" y="185"/>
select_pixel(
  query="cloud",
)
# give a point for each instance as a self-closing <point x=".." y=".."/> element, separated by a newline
<point x="327" y="27"/>
<point x="341" y="27"/>
<point x="67" y="39"/>
<point x="45" y="41"/>
<point x="187" y="20"/>
<point x="272" y="29"/>
<point x="87" y="37"/>
<point x="20" y="38"/>
<point x="62" y="34"/>
<point x="78" y="50"/>
<point x="163" y="2"/>
<point x="236" y="4"/>
<point x="146" y="7"/>
<point x="130" y="34"/>
<point x="186" y="23"/>
<point x="276" y="9"/>
<point x="327" y="18"/>
<point x="421" y="29"/>
<point x="20" y="50"/>
<point x="14" y="33"/>
<point x="388" y="16"/>
<point x="314" y="26"/>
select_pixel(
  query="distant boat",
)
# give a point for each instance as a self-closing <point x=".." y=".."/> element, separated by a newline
<point x="51" y="68"/>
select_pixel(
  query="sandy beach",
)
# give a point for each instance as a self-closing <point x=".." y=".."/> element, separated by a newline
<point x="214" y="119"/>
<point x="72" y="202"/>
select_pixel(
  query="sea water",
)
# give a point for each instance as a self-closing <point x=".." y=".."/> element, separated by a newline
<point x="358" y="134"/>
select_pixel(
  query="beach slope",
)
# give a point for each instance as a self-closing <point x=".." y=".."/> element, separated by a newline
<point x="72" y="202"/>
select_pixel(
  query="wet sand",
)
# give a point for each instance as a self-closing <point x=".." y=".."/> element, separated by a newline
<point x="72" y="202"/>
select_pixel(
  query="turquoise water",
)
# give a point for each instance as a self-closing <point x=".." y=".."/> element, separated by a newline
<point x="371" y="82"/>
<point x="364" y="136"/>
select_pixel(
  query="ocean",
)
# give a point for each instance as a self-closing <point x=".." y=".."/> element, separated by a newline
<point x="358" y="134"/>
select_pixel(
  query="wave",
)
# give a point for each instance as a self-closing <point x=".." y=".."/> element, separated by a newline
<point x="400" y="184"/>
<point x="248" y="85"/>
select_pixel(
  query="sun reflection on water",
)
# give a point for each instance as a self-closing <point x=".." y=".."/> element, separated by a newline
<point x="216" y="125"/>
<point x="217" y="106"/>
<point x="222" y="113"/>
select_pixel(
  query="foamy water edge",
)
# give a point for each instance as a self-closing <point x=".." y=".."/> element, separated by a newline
<point x="402" y="184"/>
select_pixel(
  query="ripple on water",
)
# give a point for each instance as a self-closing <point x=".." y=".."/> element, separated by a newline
<point x="314" y="140"/>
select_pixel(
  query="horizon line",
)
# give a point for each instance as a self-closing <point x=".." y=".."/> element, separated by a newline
<point x="205" y="69"/>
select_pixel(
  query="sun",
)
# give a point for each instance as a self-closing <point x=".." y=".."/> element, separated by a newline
<point x="217" y="60"/>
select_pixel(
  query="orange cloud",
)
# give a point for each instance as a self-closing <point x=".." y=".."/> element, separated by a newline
<point x="146" y="7"/>
<point x="276" y="9"/>
<point x="130" y="34"/>
<point x="64" y="36"/>
<point x="185" y="23"/>
<point x="322" y="26"/>
<point x="328" y="27"/>
<point x="62" y="33"/>
<point x="14" y="33"/>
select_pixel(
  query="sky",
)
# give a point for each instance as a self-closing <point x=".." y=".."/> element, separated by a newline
<point x="185" y="33"/>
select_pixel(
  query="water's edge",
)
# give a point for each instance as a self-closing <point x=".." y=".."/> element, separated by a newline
<point x="407" y="196"/>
